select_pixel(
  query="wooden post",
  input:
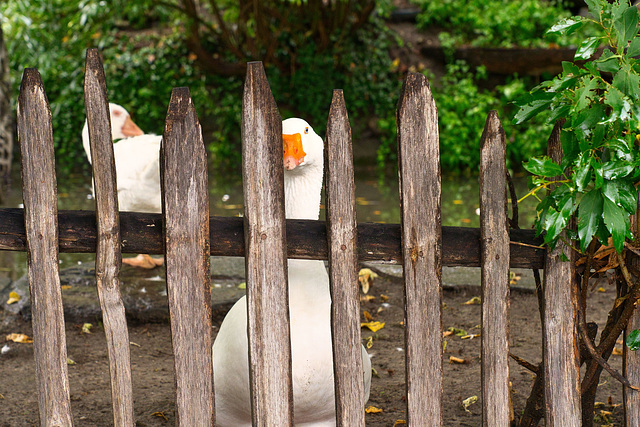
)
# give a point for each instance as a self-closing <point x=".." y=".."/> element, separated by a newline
<point x="343" y="276"/>
<point x="185" y="207"/>
<point x="41" y="225"/>
<point x="631" y="362"/>
<point x="561" y="350"/>
<point x="495" y="274"/>
<point x="266" y="256"/>
<point x="108" y="256"/>
<point x="419" y="163"/>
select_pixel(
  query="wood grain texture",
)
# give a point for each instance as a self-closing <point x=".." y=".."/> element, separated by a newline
<point x="142" y="233"/>
<point x="419" y="166"/>
<point x="495" y="274"/>
<point x="561" y="350"/>
<point x="40" y="220"/>
<point x="185" y="207"/>
<point x="631" y="361"/>
<point x="266" y="256"/>
<point x="343" y="275"/>
<point x="108" y="257"/>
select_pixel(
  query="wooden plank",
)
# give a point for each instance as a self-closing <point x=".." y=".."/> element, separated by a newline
<point x="495" y="274"/>
<point x="342" y="233"/>
<point x="419" y="165"/>
<point x="561" y="350"/>
<point x="40" y="219"/>
<point x="185" y="206"/>
<point x="108" y="257"/>
<point x="266" y="257"/>
<point x="631" y="361"/>
<point x="141" y="233"/>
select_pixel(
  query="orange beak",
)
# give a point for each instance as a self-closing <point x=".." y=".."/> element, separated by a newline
<point x="130" y="128"/>
<point x="293" y="154"/>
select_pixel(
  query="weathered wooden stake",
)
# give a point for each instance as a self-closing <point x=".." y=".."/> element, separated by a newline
<point x="185" y="207"/>
<point x="266" y="254"/>
<point x="495" y="274"/>
<point x="343" y="276"/>
<point x="561" y="350"/>
<point x="108" y="256"/>
<point x="419" y="163"/>
<point x="41" y="226"/>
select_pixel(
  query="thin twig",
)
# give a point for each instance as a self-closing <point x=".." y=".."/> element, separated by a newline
<point x="524" y="363"/>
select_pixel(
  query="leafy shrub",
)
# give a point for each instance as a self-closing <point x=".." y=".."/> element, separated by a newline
<point x="462" y="111"/>
<point x="492" y="23"/>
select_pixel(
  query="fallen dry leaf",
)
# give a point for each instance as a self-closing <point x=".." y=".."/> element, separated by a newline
<point x="373" y="326"/>
<point x="384" y="297"/>
<point x="13" y="298"/>
<point x="70" y="361"/>
<point x="367" y="298"/>
<point x="398" y="422"/>
<point x="457" y="331"/>
<point x="367" y="315"/>
<point x="468" y="402"/>
<point x="617" y="351"/>
<point x="369" y="342"/>
<point x="65" y="287"/>
<point x="447" y="333"/>
<point x="473" y="301"/>
<point x="372" y="410"/>
<point x="365" y="278"/>
<point x="160" y="415"/>
<point x="143" y="261"/>
<point x="458" y="360"/>
<point x="469" y="337"/>
<point x="19" y="338"/>
<point x="86" y="328"/>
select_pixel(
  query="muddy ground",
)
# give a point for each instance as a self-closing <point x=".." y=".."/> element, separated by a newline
<point x="152" y="362"/>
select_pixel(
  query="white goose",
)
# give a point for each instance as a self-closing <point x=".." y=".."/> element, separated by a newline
<point x="309" y="308"/>
<point x="137" y="169"/>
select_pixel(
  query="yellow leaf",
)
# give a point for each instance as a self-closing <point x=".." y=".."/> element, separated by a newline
<point x="13" y="298"/>
<point x="398" y="422"/>
<point x="456" y="331"/>
<point x="160" y="415"/>
<point x="465" y="220"/>
<point x="374" y="326"/>
<point x="458" y="360"/>
<point x="367" y="298"/>
<point x="367" y="315"/>
<point x="473" y="301"/>
<point x="384" y="298"/>
<point x="65" y="287"/>
<point x="617" y="351"/>
<point x="372" y="410"/>
<point x="601" y="289"/>
<point x="242" y="285"/>
<point x="458" y="202"/>
<point x="86" y="328"/>
<point x="70" y="362"/>
<point x="365" y="277"/>
<point x="20" y="338"/>
<point x="468" y="402"/>
<point x="369" y="342"/>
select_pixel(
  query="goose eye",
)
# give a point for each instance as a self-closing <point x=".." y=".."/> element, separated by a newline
<point x="306" y="131"/>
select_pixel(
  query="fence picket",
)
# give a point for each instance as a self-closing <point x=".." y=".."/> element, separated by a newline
<point x="631" y="362"/>
<point x="341" y="234"/>
<point x="185" y="205"/>
<point x="265" y="252"/>
<point x="561" y="350"/>
<point x="495" y="274"/>
<point x="41" y="225"/>
<point x="108" y="256"/>
<point x="419" y="163"/>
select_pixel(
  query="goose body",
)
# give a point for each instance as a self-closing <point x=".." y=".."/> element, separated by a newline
<point x="137" y="163"/>
<point x="309" y="310"/>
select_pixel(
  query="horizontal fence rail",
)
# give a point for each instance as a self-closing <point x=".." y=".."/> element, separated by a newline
<point x="306" y="239"/>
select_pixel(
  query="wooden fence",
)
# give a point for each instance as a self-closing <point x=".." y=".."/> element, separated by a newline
<point x="187" y="236"/>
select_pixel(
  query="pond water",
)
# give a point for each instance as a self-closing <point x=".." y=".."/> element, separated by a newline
<point x="377" y="200"/>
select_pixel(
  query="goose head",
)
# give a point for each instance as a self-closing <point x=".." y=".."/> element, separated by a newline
<point x="303" y="163"/>
<point x="121" y="127"/>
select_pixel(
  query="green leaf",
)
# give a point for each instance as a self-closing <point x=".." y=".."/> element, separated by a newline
<point x="595" y="7"/>
<point x="543" y="166"/>
<point x="620" y="105"/>
<point x="583" y="171"/>
<point x="616" y="220"/>
<point x="537" y="102"/>
<point x="587" y="48"/>
<point x="608" y="62"/>
<point x="589" y="217"/>
<point x="634" y="48"/>
<point x="554" y="223"/>
<point x="628" y="82"/>
<point x="626" y="26"/>
<point x="566" y="26"/>
<point x="633" y="340"/>
<point x="616" y="168"/>
<point x="627" y="196"/>
<point x="585" y="94"/>
<point x="597" y="171"/>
